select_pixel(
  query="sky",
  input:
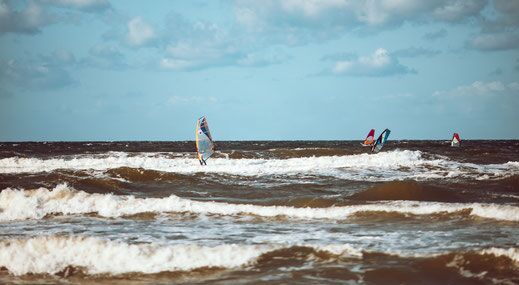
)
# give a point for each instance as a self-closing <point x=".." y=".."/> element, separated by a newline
<point x="83" y="70"/>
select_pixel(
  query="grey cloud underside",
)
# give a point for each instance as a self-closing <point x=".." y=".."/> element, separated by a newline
<point x="33" y="16"/>
<point x="29" y="20"/>
<point x="495" y="41"/>
<point x="34" y="75"/>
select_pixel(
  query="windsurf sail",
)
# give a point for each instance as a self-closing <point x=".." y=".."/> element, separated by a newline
<point x="379" y="143"/>
<point x="204" y="140"/>
<point x="456" y="141"/>
<point x="370" y="138"/>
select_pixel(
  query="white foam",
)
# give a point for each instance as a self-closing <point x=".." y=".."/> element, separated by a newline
<point x="98" y="256"/>
<point x="36" y="204"/>
<point x="52" y="254"/>
<point x="512" y="253"/>
<point x="384" y="166"/>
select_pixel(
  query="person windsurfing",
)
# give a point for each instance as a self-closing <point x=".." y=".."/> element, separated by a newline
<point x="379" y="143"/>
<point x="204" y="141"/>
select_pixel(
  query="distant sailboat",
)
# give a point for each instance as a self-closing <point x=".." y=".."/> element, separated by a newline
<point x="370" y="138"/>
<point x="379" y="143"/>
<point x="456" y="141"/>
<point x="204" y="141"/>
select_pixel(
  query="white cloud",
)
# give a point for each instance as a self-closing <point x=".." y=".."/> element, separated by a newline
<point x="380" y="63"/>
<point x="139" y="32"/>
<point x="351" y="14"/>
<point x="479" y="88"/>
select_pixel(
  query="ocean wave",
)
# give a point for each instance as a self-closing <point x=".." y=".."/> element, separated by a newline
<point x="64" y="200"/>
<point x="54" y="254"/>
<point x="384" y="166"/>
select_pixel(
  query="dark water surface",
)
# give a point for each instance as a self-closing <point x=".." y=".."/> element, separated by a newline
<point x="306" y="212"/>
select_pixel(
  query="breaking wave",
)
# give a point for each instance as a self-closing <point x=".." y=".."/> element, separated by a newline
<point x="384" y="166"/>
<point x="93" y="255"/>
<point x="53" y="254"/>
<point x="63" y="200"/>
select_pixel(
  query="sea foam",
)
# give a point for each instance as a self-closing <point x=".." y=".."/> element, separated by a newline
<point x="64" y="200"/>
<point x="93" y="255"/>
<point x="384" y="166"/>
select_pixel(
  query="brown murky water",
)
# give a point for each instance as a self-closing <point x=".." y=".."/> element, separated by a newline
<point x="308" y="212"/>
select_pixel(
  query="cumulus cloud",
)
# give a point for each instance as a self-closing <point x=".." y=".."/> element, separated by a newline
<point x="29" y="20"/>
<point x="206" y="45"/>
<point x="479" y="88"/>
<point x="139" y="32"/>
<point x="500" y="30"/>
<point x="295" y="21"/>
<point x="380" y="63"/>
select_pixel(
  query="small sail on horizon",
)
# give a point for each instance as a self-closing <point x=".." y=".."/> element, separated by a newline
<point x="370" y="138"/>
<point x="456" y="141"/>
<point x="204" y="141"/>
<point x="379" y="143"/>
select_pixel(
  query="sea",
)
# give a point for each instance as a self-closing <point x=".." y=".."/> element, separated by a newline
<point x="259" y="212"/>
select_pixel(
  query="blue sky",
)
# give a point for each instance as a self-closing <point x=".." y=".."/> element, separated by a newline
<point x="259" y="70"/>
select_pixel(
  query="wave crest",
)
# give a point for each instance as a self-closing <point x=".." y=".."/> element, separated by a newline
<point x="384" y="166"/>
<point x="62" y="255"/>
<point x="36" y="204"/>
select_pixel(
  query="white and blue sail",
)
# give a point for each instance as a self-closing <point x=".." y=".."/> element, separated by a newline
<point x="204" y="140"/>
<point x="379" y="143"/>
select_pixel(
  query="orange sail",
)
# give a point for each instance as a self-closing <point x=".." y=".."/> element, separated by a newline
<point x="370" y="138"/>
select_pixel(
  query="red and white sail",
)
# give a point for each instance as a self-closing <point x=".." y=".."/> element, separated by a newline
<point x="456" y="141"/>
